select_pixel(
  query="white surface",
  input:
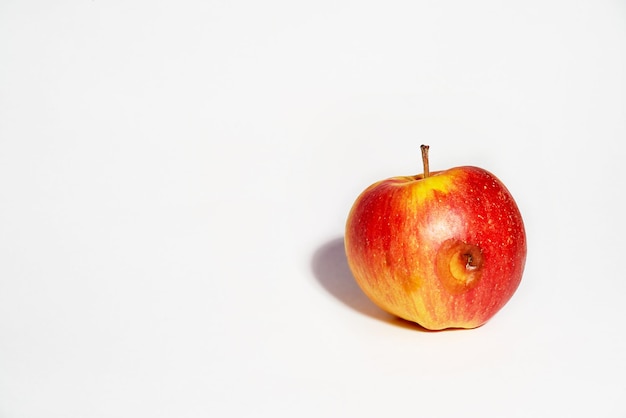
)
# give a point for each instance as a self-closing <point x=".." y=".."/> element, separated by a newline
<point x="175" y="178"/>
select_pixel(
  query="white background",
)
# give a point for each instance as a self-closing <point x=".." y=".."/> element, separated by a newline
<point x="175" y="179"/>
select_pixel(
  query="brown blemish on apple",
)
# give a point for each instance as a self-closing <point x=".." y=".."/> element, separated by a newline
<point x="459" y="265"/>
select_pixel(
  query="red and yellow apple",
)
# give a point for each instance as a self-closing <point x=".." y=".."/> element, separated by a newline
<point x="444" y="249"/>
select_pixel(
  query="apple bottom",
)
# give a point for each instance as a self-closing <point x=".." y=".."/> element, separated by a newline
<point x="462" y="292"/>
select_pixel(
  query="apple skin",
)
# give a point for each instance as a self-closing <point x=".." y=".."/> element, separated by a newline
<point x="445" y="251"/>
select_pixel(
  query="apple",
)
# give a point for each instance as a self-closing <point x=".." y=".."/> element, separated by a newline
<point x="444" y="249"/>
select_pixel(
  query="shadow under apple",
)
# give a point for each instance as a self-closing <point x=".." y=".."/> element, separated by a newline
<point x="330" y="268"/>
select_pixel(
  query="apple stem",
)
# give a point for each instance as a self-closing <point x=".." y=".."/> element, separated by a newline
<point x="425" y="159"/>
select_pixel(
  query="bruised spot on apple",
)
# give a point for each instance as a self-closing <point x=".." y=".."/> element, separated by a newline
<point x="445" y="249"/>
<point x="459" y="265"/>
